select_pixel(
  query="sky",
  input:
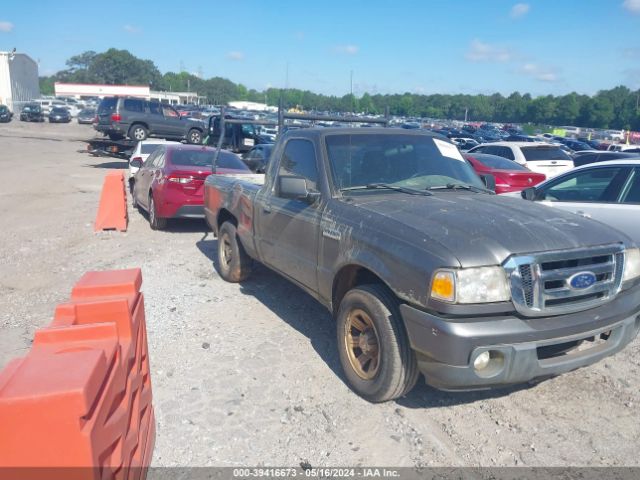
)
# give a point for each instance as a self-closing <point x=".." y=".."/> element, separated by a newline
<point x="421" y="46"/>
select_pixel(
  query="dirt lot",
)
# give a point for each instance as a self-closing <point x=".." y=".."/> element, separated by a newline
<point x="248" y="374"/>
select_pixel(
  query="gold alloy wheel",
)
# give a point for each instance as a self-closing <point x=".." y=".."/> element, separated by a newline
<point x="226" y="250"/>
<point x="361" y="342"/>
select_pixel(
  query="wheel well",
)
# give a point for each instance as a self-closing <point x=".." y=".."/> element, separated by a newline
<point x="350" y="277"/>
<point x="226" y="216"/>
<point x="139" y="123"/>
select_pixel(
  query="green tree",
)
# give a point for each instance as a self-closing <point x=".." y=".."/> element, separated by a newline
<point x="121" y="67"/>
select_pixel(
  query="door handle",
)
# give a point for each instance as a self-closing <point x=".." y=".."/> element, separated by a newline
<point x="583" y="214"/>
<point x="266" y="208"/>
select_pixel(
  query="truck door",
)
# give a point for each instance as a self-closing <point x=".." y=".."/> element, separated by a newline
<point x="287" y="231"/>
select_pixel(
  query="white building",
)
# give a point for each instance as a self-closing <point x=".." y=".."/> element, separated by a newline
<point x="18" y="80"/>
<point x="253" y="106"/>
<point x="82" y="90"/>
<point x="174" y="98"/>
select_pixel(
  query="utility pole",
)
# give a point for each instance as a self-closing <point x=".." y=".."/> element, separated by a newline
<point x="351" y="91"/>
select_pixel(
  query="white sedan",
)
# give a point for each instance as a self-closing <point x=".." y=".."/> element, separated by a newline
<point x="142" y="151"/>
<point x="605" y="191"/>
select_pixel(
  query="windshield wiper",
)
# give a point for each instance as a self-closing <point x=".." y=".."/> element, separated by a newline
<point x="387" y="186"/>
<point x="461" y="186"/>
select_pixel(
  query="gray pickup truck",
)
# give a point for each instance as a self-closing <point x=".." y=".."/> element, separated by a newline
<point x="424" y="269"/>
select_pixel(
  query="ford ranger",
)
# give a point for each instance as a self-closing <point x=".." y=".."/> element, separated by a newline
<point x="423" y="268"/>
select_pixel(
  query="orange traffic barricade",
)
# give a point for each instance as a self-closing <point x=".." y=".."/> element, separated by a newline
<point x="112" y="210"/>
<point x="78" y="405"/>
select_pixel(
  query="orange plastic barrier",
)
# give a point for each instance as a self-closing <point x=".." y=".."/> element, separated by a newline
<point x="112" y="210"/>
<point x="78" y="405"/>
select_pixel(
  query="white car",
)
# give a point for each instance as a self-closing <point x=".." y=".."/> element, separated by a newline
<point x="142" y="151"/>
<point x="620" y="147"/>
<point x="605" y="191"/>
<point x="539" y="157"/>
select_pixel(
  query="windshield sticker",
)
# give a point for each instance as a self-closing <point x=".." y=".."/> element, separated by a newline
<point x="448" y="149"/>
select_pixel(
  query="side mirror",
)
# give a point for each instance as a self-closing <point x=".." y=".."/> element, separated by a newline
<point x="296" y="188"/>
<point x="136" y="163"/>
<point x="529" y="193"/>
<point x="489" y="181"/>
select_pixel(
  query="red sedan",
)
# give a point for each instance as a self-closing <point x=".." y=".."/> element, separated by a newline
<point x="510" y="176"/>
<point x="170" y="183"/>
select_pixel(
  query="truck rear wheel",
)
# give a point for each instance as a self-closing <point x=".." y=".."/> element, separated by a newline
<point x="234" y="265"/>
<point x="373" y="346"/>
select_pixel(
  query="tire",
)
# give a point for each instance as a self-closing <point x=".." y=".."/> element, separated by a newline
<point x="138" y="132"/>
<point x="391" y="370"/>
<point x="194" y="136"/>
<point x="156" y="223"/>
<point x="234" y="265"/>
<point x="134" y="202"/>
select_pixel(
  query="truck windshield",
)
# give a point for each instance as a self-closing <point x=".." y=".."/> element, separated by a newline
<point x="412" y="161"/>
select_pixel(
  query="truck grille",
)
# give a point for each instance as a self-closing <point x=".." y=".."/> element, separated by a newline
<point x="566" y="281"/>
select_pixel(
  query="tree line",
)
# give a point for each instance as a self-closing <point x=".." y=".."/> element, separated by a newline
<point x="617" y="108"/>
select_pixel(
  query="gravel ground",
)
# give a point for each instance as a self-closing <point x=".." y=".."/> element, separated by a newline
<point x="248" y="374"/>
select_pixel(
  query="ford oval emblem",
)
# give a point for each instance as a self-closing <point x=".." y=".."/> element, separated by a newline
<point x="582" y="280"/>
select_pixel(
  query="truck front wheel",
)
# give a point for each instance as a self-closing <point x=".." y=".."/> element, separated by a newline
<point x="234" y="265"/>
<point x="373" y="346"/>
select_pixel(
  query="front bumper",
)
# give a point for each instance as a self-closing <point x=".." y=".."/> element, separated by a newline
<point x="523" y="347"/>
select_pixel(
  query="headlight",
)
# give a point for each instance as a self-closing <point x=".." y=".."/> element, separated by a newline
<point x="631" y="264"/>
<point x="471" y="285"/>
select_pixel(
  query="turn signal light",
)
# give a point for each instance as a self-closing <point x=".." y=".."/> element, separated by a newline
<point x="443" y="286"/>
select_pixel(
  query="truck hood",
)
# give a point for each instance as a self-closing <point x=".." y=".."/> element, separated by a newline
<point x="480" y="229"/>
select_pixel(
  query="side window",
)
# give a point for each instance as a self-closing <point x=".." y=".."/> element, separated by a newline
<point x="492" y="151"/>
<point x="133" y="105"/>
<point x="632" y="192"/>
<point x="159" y="160"/>
<point x="169" y="112"/>
<point x="299" y="159"/>
<point x="592" y="185"/>
<point x="150" y="159"/>
<point x="506" y="152"/>
<point x="154" y="108"/>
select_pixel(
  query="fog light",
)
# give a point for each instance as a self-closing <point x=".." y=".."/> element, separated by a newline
<point x="481" y="361"/>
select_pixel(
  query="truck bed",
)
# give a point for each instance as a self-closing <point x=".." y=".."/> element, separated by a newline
<point x="234" y="192"/>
